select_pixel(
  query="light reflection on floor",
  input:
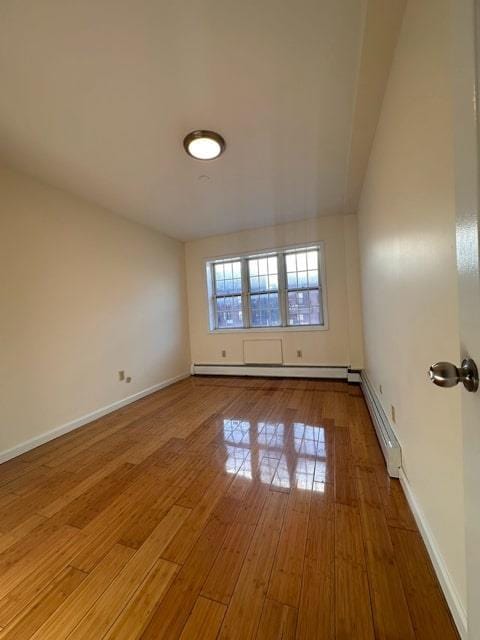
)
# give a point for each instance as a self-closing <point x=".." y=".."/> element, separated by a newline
<point x="284" y="456"/>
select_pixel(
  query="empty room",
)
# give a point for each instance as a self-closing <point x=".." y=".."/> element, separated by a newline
<point x="239" y="320"/>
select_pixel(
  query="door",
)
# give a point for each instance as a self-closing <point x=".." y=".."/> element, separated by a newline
<point x="466" y="74"/>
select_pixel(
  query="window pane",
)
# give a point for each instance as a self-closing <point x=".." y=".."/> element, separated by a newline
<point x="302" y="269"/>
<point x="273" y="282"/>
<point x="263" y="274"/>
<point x="313" y="278"/>
<point x="304" y="308"/>
<point x="272" y="265"/>
<point x="301" y="261"/>
<point x="228" y="277"/>
<point x="302" y="279"/>
<point x="312" y="259"/>
<point x="263" y="266"/>
<point x="292" y="280"/>
<point x="254" y="283"/>
<point x="229" y="312"/>
<point x="291" y="262"/>
<point x="231" y="285"/>
<point x="265" y="310"/>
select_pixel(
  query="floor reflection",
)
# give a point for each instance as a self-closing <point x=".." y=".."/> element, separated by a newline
<point x="285" y="456"/>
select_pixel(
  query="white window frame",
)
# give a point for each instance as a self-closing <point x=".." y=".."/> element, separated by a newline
<point x="282" y="290"/>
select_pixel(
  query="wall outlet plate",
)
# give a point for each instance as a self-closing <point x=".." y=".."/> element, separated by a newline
<point x="121" y="375"/>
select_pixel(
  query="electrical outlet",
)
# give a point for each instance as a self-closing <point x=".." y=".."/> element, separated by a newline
<point x="224" y="353"/>
<point x="380" y="388"/>
<point x="121" y="375"/>
<point x="128" y="379"/>
<point x="393" y="413"/>
<point x="299" y="353"/>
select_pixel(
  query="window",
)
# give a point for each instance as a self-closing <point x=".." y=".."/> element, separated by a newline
<point x="302" y="287"/>
<point x="264" y="292"/>
<point x="228" y="294"/>
<point x="274" y="289"/>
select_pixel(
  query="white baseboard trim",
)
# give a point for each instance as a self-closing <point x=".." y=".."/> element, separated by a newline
<point x="282" y="371"/>
<point x="448" y="587"/>
<point x="23" y="447"/>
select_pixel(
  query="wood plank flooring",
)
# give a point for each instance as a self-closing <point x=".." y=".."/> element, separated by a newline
<point x="218" y="508"/>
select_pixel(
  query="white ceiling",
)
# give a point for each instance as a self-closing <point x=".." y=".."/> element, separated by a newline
<point x="97" y="95"/>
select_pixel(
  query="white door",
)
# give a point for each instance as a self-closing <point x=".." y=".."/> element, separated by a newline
<point x="466" y="74"/>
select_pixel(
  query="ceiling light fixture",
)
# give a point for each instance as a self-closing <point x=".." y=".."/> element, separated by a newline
<point x="204" y="145"/>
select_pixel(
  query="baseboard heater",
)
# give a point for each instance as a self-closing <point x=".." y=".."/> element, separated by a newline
<point x="386" y="437"/>
<point x="277" y="371"/>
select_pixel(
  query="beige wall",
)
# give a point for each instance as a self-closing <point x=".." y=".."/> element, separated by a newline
<point x="341" y="344"/>
<point x="83" y="294"/>
<point x="407" y="244"/>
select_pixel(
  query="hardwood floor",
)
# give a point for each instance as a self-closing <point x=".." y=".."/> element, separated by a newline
<point x="221" y="508"/>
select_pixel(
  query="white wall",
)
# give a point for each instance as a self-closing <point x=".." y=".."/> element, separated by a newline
<point x="341" y="344"/>
<point x="83" y="294"/>
<point x="410" y="300"/>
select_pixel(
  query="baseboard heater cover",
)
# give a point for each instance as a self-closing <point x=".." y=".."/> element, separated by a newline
<point x="385" y="434"/>
<point x="274" y="371"/>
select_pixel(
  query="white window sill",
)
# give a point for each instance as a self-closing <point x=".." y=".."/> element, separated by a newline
<point x="304" y="328"/>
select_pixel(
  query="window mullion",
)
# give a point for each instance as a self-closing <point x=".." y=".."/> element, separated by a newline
<point x="215" y="313"/>
<point x="214" y="298"/>
<point x="282" y="288"/>
<point x="245" y="294"/>
<point x="320" y="277"/>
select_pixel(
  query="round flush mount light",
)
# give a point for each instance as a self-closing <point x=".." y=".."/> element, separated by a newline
<point x="204" y="145"/>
